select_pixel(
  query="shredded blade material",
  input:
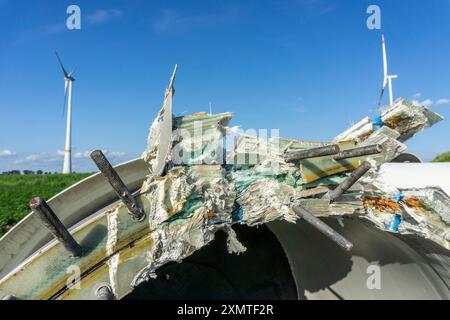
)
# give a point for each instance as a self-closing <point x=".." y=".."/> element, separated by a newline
<point x="256" y="185"/>
<point x="200" y="185"/>
<point x="403" y="116"/>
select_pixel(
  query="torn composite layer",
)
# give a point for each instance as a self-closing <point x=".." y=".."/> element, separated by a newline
<point x="425" y="218"/>
<point x="207" y="194"/>
<point x="264" y="167"/>
<point x="266" y="187"/>
<point x="424" y="212"/>
<point x="198" y="139"/>
<point x="403" y="116"/>
<point x="159" y="139"/>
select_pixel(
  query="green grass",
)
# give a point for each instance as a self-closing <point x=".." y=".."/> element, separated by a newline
<point x="445" y="157"/>
<point x="17" y="190"/>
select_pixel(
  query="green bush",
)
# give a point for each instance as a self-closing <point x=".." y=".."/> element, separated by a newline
<point x="445" y="157"/>
<point x="17" y="190"/>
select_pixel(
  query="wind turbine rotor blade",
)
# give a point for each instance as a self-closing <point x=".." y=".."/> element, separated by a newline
<point x="381" y="95"/>
<point x="72" y="73"/>
<point x="385" y="64"/>
<point x="172" y="79"/>
<point x="62" y="67"/>
<point x="385" y="70"/>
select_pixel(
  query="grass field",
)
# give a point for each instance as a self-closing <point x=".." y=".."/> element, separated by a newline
<point x="17" y="190"/>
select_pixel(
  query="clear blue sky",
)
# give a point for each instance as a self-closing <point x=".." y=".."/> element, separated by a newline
<point x="307" y="67"/>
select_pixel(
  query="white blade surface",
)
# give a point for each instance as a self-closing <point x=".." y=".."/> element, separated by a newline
<point x="160" y="137"/>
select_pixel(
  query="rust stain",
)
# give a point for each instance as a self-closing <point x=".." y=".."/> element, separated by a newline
<point x="381" y="204"/>
<point x="366" y="135"/>
<point x="414" y="202"/>
<point x="393" y="122"/>
<point x="398" y="121"/>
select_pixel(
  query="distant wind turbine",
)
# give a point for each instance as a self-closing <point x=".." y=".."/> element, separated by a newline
<point x="210" y="108"/>
<point x="68" y="80"/>
<point x="387" y="78"/>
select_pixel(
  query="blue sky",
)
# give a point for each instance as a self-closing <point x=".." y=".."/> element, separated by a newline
<point x="307" y="67"/>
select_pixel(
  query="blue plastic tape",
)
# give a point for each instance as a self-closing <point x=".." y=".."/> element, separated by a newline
<point x="377" y="123"/>
<point x="399" y="197"/>
<point x="394" y="223"/>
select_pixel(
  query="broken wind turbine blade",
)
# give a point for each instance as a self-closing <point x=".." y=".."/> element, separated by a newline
<point x="187" y="202"/>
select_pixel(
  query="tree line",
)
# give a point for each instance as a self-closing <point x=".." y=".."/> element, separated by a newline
<point x="25" y="172"/>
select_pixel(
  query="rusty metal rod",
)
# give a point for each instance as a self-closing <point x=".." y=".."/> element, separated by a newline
<point x="294" y="156"/>
<point x="323" y="227"/>
<point x="118" y="185"/>
<point x="359" y="152"/>
<point x="104" y="292"/>
<point x="350" y="181"/>
<point x="55" y="226"/>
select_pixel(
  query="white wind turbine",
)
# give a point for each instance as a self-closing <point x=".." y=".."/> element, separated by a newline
<point x="68" y="80"/>
<point x="387" y="78"/>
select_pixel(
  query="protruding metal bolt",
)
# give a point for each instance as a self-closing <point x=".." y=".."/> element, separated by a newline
<point x="118" y="185"/>
<point x="322" y="227"/>
<point x="104" y="292"/>
<point x="55" y="226"/>
<point x="359" y="152"/>
<point x="294" y="156"/>
<point x="350" y="181"/>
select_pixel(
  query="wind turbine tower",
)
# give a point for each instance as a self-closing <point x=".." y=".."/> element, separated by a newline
<point x="68" y="81"/>
<point x="387" y="78"/>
